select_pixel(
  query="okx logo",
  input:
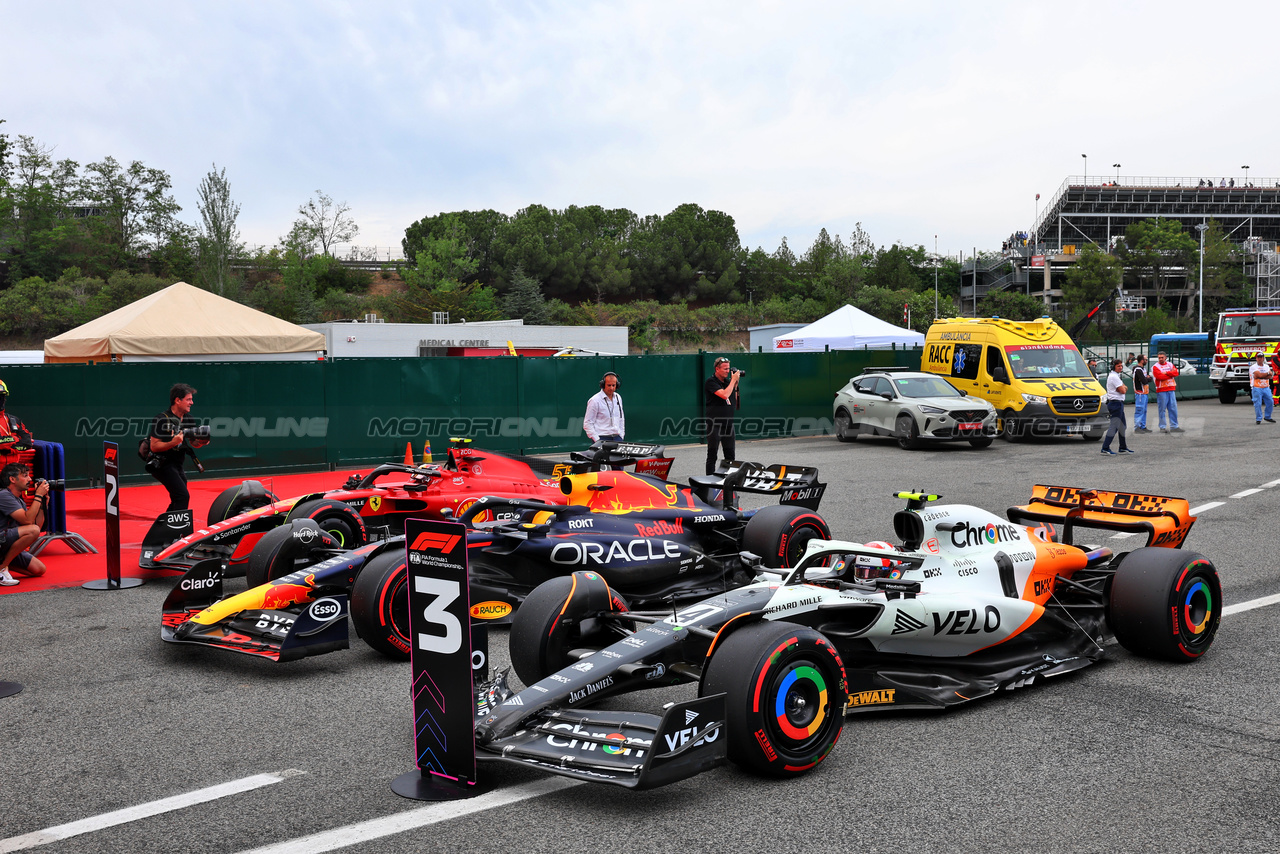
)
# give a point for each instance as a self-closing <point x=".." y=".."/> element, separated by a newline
<point x="429" y="541"/>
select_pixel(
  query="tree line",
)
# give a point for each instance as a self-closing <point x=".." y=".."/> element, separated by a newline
<point x="77" y="241"/>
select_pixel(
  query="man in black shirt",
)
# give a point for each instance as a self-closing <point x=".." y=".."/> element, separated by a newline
<point x="167" y="445"/>
<point x="1140" y="382"/>
<point x="720" y="393"/>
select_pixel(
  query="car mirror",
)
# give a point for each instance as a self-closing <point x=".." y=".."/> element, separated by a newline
<point x="1000" y="376"/>
<point x="887" y="395"/>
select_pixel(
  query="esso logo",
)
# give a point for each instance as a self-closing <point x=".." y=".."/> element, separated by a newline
<point x="325" y="609"/>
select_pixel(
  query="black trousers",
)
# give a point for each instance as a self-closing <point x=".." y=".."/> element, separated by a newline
<point x="720" y="435"/>
<point x="174" y="480"/>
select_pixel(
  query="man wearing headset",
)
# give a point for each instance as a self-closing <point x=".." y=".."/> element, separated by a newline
<point x="605" y="418"/>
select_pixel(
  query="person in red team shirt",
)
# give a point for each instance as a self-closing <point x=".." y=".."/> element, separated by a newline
<point x="1163" y="374"/>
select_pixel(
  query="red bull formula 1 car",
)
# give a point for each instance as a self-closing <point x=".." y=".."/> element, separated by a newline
<point x="655" y="542"/>
<point x="241" y="515"/>
<point x="969" y="604"/>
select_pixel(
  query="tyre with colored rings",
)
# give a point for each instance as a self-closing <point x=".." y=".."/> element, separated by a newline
<point x="785" y="695"/>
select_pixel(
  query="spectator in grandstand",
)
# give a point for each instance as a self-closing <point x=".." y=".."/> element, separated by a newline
<point x="1260" y="380"/>
<point x="22" y="524"/>
<point x="1164" y="373"/>
<point x="14" y="435"/>
<point x="721" y="399"/>
<point x="605" y="418"/>
<point x="1140" y="383"/>
<point x="1115" y="408"/>
<point x="1223" y="183"/>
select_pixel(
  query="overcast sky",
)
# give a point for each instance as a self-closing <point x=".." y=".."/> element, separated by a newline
<point x="914" y="119"/>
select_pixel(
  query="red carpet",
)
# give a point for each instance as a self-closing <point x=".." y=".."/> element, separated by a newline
<point x="139" y="506"/>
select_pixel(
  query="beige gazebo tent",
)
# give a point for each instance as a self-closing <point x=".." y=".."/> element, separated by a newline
<point x="183" y="322"/>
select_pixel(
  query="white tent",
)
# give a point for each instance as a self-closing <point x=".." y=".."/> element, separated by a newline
<point x="846" y="328"/>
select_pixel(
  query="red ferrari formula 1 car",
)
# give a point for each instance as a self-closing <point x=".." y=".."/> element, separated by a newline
<point x="241" y="515"/>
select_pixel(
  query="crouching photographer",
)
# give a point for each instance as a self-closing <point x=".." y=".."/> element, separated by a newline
<point x="175" y="436"/>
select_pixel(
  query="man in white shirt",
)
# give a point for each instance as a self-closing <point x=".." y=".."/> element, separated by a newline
<point x="605" y="418"/>
<point x="1115" y="407"/>
<point x="1260" y="385"/>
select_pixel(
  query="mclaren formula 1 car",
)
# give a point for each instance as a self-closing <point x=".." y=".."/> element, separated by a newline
<point x="385" y="497"/>
<point x="655" y="542"/>
<point x="969" y="604"/>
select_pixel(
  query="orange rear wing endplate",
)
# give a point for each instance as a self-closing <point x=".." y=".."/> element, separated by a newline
<point x="1166" y="521"/>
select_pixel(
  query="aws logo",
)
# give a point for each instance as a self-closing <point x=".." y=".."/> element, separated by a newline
<point x="965" y="535"/>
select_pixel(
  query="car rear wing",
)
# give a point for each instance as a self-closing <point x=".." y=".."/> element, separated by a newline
<point x="1166" y="521"/>
<point x="648" y="458"/>
<point x="796" y="485"/>
<point x="630" y="749"/>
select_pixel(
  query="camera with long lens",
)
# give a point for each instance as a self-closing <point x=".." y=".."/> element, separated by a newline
<point x="742" y="375"/>
<point x="201" y="432"/>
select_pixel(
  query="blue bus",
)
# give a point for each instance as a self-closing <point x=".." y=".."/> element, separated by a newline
<point x="1195" y="347"/>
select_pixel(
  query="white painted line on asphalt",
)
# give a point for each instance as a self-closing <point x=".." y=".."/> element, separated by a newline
<point x="377" y="828"/>
<point x="1251" y="604"/>
<point x="1195" y="511"/>
<point x="111" y="819"/>
<point x="1123" y="534"/>
<point x="1246" y="493"/>
<point x="1271" y="484"/>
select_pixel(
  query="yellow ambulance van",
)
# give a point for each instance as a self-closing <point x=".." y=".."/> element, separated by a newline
<point x="1030" y="371"/>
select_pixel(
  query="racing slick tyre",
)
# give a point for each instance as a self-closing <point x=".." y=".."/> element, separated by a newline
<point x="906" y="432"/>
<point x="380" y="604"/>
<point x="558" y="616"/>
<point x="1226" y="394"/>
<point x="281" y="552"/>
<point x="780" y="533"/>
<point x="1165" y="603"/>
<point x="984" y="442"/>
<point x="335" y="518"/>
<point x="235" y="500"/>
<point x="785" y="696"/>
<point x="844" y="427"/>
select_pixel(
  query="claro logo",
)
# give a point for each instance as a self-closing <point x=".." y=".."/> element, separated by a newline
<point x="969" y="535"/>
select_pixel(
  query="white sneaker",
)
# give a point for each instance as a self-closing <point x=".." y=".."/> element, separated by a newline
<point x="6" y="579"/>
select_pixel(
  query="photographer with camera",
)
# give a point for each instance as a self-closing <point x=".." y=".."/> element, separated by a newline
<point x="174" y="436"/>
<point x="721" y="399"/>
<point x="22" y="524"/>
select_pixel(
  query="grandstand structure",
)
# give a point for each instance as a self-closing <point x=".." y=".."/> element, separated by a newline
<point x="1099" y="210"/>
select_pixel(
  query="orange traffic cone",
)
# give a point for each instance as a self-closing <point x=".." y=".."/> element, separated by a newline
<point x="426" y="452"/>
<point x="408" y="453"/>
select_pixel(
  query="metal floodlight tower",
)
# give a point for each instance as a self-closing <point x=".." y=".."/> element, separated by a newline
<point x="1201" y="228"/>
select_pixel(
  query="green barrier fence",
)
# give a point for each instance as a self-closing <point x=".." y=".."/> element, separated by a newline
<point x="350" y="413"/>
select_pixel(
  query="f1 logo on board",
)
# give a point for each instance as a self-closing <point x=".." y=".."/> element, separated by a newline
<point x="435" y="542"/>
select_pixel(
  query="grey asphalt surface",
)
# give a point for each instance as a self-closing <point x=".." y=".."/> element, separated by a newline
<point x="1130" y="755"/>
